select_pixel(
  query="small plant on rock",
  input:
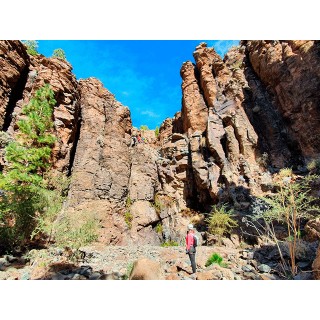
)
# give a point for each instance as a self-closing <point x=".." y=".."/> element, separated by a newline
<point x="220" y="221"/>
<point x="128" y="217"/>
<point x="215" y="258"/>
<point x="156" y="132"/>
<point x="314" y="166"/>
<point x="76" y="230"/>
<point x="170" y="244"/>
<point x="159" y="228"/>
<point x="129" y="270"/>
<point x="144" y="127"/>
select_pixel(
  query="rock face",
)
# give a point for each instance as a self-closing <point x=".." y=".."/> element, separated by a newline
<point x="14" y="66"/>
<point x="316" y="266"/>
<point x="101" y="166"/>
<point x="290" y="72"/>
<point x="242" y="118"/>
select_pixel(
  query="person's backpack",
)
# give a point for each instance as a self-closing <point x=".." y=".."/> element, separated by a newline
<point x="195" y="240"/>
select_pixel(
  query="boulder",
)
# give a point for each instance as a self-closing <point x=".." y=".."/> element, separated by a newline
<point x="146" y="269"/>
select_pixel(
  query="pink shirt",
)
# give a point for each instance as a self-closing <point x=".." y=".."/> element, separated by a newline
<point x="189" y="240"/>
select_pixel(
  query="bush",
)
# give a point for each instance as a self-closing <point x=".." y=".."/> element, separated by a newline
<point x="32" y="47"/>
<point x="156" y="132"/>
<point x="220" y="221"/>
<point x="59" y="53"/>
<point x="76" y="230"/>
<point x="170" y="244"/>
<point x="129" y="270"/>
<point x="159" y="228"/>
<point x="128" y="219"/>
<point x="314" y="166"/>
<point x="215" y="258"/>
<point x="144" y="127"/>
<point x="289" y="206"/>
<point x="53" y="196"/>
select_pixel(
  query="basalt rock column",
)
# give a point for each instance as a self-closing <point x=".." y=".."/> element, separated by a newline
<point x="101" y="168"/>
<point x="291" y="72"/>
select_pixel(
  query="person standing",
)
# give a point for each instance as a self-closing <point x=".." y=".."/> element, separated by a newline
<point x="191" y="248"/>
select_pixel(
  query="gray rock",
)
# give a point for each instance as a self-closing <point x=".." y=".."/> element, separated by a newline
<point x="236" y="270"/>
<point x="4" y="261"/>
<point x="3" y="267"/>
<point x="84" y="271"/>
<point x="303" y="276"/>
<point x="77" y="276"/>
<point x="25" y="276"/>
<point x="58" y="276"/>
<point x="303" y="264"/>
<point x="250" y="255"/>
<point x="264" y="268"/>
<point x="10" y="258"/>
<point x="247" y="268"/>
<point x="95" y="276"/>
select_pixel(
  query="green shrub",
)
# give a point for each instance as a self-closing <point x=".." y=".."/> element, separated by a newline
<point x="53" y="195"/>
<point x="158" y="205"/>
<point x="156" y="132"/>
<point x="285" y="173"/>
<point x="215" y="258"/>
<point x="159" y="228"/>
<point x="128" y="202"/>
<point x="59" y="53"/>
<point x="32" y="46"/>
<point x="289" y="206"/>
<point x="220" y="221"/>
<point x="144" y="127"/>
<point x="128" y="217"/>
<point x="170" y="244"/>
<point x="76" y="230"/>
<point x="129" y="270"/>
<point x="314" y="166"/>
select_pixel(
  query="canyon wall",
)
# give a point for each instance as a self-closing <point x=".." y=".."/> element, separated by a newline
<point x="242" y="119"/>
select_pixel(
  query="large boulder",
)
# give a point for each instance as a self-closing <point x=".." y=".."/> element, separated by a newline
<point x="146" y="269"/>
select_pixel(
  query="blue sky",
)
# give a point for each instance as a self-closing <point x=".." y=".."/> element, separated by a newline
<point x="143" y="74"/>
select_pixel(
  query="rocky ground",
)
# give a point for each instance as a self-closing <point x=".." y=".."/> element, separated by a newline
<point x="116" y="262"/>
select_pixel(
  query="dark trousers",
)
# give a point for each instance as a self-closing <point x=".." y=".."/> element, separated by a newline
<point x="192" y="257"/>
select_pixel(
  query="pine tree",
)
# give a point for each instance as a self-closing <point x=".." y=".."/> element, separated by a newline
<point x="59" y="53"/>
<point x="27" y="160"/>
<point x="32" y="46"/>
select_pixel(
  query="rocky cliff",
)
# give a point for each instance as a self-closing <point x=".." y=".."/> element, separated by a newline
<point x="242" y="118"/>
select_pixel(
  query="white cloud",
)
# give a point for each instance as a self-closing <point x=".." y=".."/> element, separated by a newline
<point x="150" y="114"/>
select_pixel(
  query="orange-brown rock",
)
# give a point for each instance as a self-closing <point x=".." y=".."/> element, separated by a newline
<point x="146" y="269"/>
<point x="101" y="167"/>
<point x="316" y="266"/>
<point x="14" y="68"/>
<point x="194" y="110"/>
<point x="291" y="72"/>
<point x="312" y="229"/>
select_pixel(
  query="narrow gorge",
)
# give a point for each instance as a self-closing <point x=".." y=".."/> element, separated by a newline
<point x="243" y="118"/>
